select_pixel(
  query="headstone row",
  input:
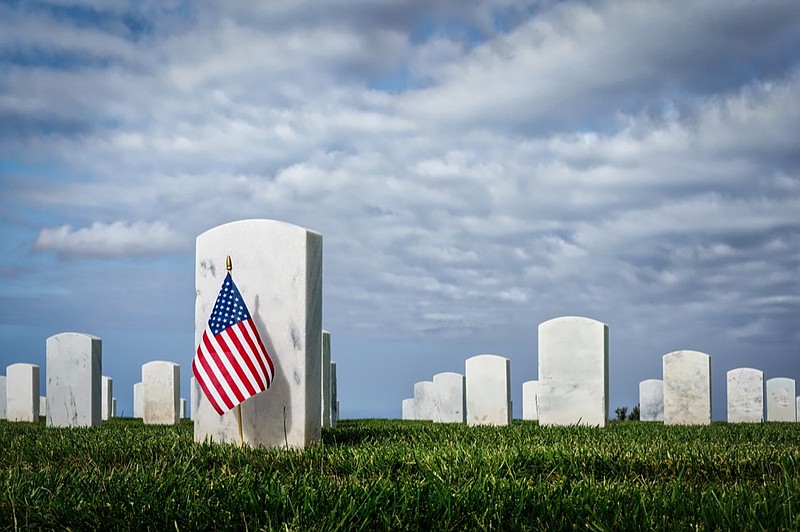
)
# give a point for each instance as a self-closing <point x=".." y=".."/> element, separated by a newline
<point x="479" y="397"/>
<point x="442" y="400"/>
<point x="78" y="395"/>
<point x="684" y="395"/>
<point x="572" y="386"/>
<point x="278" y="268"/>
<point x="329" y="399"/>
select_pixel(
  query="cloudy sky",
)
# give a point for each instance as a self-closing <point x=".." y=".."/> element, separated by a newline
<point x="475" y="168"/>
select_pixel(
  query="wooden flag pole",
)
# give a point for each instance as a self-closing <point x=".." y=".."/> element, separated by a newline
<point x="229" y="267"/>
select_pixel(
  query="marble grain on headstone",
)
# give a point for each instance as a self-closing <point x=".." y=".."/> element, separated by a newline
<point x="425" y="401"/>
<point x="450" y="397"/>
<point x="781" y="399"/>
<point x="530" y="400"/>
<point x="74" y="380"/>
<point x="573" y="372"/>
<point x="161" y="391"/>
<point x="22" y="392"/>
<point x="488" y="390"/>
<point x="745" y="387"/>
<point x="651" y="400"/>
<point x="687" y="388"/>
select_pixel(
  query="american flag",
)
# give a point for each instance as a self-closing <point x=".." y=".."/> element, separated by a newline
<point x="231" y="363"/>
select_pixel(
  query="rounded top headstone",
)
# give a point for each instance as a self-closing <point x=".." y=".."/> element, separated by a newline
<point x="74" y="334"/>
<point x="257" y="223"/>
<point x="560" y="319"/>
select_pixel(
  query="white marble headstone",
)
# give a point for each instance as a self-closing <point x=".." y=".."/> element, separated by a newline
<point x="2" y="396"/>
<point x="74" y="386"/>
<point x="449" y="389"/>
<point x="194" y="396"/>
<point x="651" y="400"/>
<point x="107" y="395"/>
<point x="530" y="400"/>
<point x="161" y="389"/>
<point x="183" y="408"/>
<point x="488" y="390"/>
<point x="325" y="369"/>
<point x="687" y="388"/>
<point x="425" y="401"/>
<point x="781" y="399"/>
<point x="797" y="400"/>
<point x="407" y="410"/>
<point x="278" y="270"/>
<point x="334" y="396"/>
<point x="113" y="407"/>
<point x="573" y="372"/>
<point x="42" y="405"/>
<point x="22" y="392"/>
<point x="745" y="395"/>
<point x="138" y="400"/>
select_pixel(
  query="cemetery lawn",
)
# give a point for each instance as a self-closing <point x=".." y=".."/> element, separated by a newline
<point x="405" y="475"/>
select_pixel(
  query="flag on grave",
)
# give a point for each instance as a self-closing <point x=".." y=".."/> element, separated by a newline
<point x="231" y="362"/>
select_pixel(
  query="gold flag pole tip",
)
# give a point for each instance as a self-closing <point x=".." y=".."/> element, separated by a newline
<point x="228" y="265"/>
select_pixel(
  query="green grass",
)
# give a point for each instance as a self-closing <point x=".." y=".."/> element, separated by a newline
<point x="405" y="475"/>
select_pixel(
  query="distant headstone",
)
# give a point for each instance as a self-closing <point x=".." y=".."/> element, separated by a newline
<point x="42" y="406"/>
<point x="74" y="386"/>
<point x="334" y="396"/>
<point x="194" y="396"/>
<point x="183" y="408"/>
<point x="408" y="409"/>
<point x="22" y="392"/>
<point x="797" y="400"/>
<point x="651" y="400"/>
<point x="687" y="388"/>
<point x="530" y="400"/>
<point x="107" y="396"/>
<point x="745" y="395"/>
<point x="161" y="381"/>
<point x="425" y="405"/>
<point x="113" y="407"/>
<point x="573" y="372"/>
<point x="781" y="404"/>
<point x="138" y="400"/>
<point x="488" y="390"/>
<point x="278" y="270"/>
<point x="325" y="369"/>
<point x="2" y="396"/>
<point x="450" y="396"/>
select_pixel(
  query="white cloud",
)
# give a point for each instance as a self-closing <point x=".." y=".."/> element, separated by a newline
<point x="116" y="239"/>
<point x="579" y="64"/>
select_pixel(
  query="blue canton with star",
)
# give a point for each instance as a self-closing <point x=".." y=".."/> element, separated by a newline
<point x="229" y="308"/>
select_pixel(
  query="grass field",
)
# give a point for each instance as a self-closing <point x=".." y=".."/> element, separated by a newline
<point x="405" y="475"/>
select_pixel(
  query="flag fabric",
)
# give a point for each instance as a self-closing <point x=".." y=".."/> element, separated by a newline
<point x="231" y="363"/>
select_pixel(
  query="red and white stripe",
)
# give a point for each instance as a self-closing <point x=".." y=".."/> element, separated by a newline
<point x="232" y="366"/>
